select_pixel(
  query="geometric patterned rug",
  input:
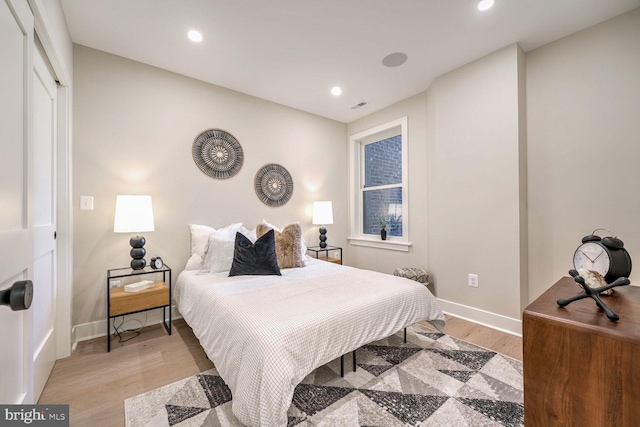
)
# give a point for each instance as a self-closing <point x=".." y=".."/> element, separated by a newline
<point x="432" y="380"/>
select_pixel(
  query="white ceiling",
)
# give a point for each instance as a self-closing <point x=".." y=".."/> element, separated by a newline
<point x="294" y="51"/>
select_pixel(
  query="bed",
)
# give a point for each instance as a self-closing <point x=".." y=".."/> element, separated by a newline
<point x="266" y="333"/>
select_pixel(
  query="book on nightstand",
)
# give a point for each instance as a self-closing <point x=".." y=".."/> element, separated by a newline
<point x="138" y="286"/>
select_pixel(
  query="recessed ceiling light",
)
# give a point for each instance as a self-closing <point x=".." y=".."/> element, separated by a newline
<point x="485" y="4"/>
<point x="336" y="91"/>
<point x="195" y="36"/>
<point x="394" y="59"/>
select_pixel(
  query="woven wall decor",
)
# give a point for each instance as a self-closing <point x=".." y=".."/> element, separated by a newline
<point x="274" y="185"/>
<point x="217" y="153"/>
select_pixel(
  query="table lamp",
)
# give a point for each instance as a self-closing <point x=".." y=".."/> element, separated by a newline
<point x="322" y="215"/>
<point x="134" y="214"/>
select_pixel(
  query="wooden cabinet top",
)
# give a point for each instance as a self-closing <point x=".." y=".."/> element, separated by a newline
<point x="585" y="315"/>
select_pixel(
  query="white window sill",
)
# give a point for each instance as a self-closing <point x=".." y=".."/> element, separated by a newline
<point x="394" y="245"/>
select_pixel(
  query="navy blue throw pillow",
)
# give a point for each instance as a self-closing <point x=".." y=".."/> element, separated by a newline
<point x="255" y="259"/>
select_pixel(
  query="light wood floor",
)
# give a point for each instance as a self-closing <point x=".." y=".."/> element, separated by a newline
<point x="95" y="383"/>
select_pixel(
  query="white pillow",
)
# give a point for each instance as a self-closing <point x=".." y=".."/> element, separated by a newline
<point x="249" y="234"/>
<point x="303" y="246"/>
<point x="215" y="250"/>
<point x="221" y="251"/>
<point x="200" y="238"/>
<point x="230" y="230"/>
<point x="200" y="235"/>
<point x="194" y="263"/>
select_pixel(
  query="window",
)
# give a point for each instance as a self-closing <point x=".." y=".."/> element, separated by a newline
<point x="378" y="159"/>
<point x="382" y="190"/>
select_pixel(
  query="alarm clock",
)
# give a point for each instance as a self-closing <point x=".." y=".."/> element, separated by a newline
<point x="156" y="262"/>
<point x="606" y="255"/>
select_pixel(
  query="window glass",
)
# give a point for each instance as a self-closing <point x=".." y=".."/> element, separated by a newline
<point x="383" y="162"/>
<point x="383" y="205"/>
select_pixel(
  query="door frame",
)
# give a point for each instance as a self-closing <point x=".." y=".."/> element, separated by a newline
<point x="65" y="339"/>
<point x="65" y="335"/>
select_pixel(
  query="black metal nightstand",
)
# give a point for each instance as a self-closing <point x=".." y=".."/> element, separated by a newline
<point x="120" y="302"/>
<point x="317" y="250"/>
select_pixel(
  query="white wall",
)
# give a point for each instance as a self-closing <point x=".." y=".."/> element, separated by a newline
<point x="134" y="126"/>
<point x="480" y="203"/>
<point x="385" y="260"/>
<point x="475" y="194"/>
<point x="583" y="107"/>
<point x="525" y="154"/>
<point x="467" y="188"/>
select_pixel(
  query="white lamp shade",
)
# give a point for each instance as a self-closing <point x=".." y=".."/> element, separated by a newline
<point x="134" y="214"/>
<point x="322" y="213"/>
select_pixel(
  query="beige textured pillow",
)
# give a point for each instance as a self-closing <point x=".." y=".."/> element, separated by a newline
<point x="288" y="243"/>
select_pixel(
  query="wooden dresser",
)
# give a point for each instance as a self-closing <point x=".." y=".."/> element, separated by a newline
<point x="581" y="369"/>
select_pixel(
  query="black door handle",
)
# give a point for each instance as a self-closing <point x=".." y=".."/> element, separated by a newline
<point x="18" y="296"/>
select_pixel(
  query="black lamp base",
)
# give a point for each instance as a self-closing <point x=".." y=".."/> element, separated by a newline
<point x="323" y="237"/>
<point x="138" y="252"/>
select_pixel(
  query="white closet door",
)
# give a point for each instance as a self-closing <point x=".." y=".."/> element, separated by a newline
<point x="44" y="221"/>
<point x="16" y="196"/>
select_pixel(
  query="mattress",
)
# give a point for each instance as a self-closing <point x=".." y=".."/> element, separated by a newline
<point x="266" y="333"/>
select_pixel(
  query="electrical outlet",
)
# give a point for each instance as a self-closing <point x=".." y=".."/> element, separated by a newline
<point x="336" y="255"/>
<point x="473" y="280"/>
<point x="115" y="284"/>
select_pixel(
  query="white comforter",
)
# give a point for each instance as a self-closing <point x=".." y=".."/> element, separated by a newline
<point x="266" y="333"/>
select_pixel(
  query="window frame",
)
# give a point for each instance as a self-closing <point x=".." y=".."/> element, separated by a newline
<point x="357" y="142"/>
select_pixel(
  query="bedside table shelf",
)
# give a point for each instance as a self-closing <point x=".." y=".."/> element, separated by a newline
<point x="318" y="251"/>
<point x="120" y="303"/>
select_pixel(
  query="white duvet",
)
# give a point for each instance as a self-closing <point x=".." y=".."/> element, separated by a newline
<point x="266" y="333"/>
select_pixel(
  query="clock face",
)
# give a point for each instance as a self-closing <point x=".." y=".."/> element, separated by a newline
<point x="592" y="256"/>
<point x="157" y="263"/>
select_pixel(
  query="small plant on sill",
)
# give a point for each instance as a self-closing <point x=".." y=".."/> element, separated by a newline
<point x="382" y="221"/>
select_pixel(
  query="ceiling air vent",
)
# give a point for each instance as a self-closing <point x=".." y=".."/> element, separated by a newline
<point x="359" y="104"/>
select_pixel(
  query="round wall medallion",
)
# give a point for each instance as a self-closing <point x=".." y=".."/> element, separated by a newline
<point x="274" y="185"/>
<point x="217" y="153"/>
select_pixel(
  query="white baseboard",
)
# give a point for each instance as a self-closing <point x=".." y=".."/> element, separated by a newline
<point x="87" y="331"/>
<point x="482" y="317"/>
